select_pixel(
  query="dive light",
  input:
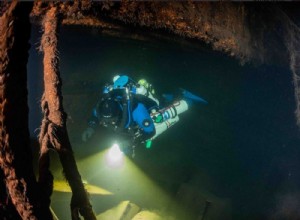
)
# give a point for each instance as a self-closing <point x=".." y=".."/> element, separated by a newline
<point x="114" y="155"/>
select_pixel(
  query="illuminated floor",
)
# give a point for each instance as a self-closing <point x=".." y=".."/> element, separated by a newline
<point x="109" y="183"/>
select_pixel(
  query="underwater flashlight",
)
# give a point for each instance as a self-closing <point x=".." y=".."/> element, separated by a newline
<point x="115" y="155"/>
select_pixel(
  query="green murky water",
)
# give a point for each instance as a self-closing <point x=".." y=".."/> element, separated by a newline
<point x="242" y="146"/>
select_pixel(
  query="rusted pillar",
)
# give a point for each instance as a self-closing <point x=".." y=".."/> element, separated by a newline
<point x="15" y="154"/>
<point x="54" y="132"/>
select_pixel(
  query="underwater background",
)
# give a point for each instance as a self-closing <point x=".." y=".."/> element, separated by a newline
<point x="243" y="146"/>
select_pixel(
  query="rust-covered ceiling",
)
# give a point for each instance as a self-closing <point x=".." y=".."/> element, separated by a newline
<point x="257" y="32"/>
<point x="245" y="30"/>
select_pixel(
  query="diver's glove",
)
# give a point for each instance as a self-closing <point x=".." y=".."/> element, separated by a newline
<point x="87" y="134"/>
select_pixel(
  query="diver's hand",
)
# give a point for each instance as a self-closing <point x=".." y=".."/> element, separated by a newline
<point x="87" y="134"/>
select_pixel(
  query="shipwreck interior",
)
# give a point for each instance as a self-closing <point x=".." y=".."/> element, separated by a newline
<point x="235" y="158"/>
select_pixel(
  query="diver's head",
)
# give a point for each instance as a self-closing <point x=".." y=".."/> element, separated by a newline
<point x="109" y="111"/>
<point x="147" y="85"/>
<point x="116" y="77"/>
<point x="144" y="83"/>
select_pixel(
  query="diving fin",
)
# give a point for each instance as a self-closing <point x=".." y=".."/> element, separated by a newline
<point x="191" y="97"/>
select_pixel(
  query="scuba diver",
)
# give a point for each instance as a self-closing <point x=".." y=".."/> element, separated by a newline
<point x="131" y="109"/>
<point x="125" y="108"/>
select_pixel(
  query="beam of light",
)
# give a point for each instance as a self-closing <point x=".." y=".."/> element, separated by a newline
<point x="126" y="182"/>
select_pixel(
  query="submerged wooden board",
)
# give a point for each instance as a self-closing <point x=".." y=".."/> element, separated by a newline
<point x="63" y="186"/>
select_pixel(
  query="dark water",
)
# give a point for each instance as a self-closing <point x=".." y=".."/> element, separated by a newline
<point x="243" y="145"/>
